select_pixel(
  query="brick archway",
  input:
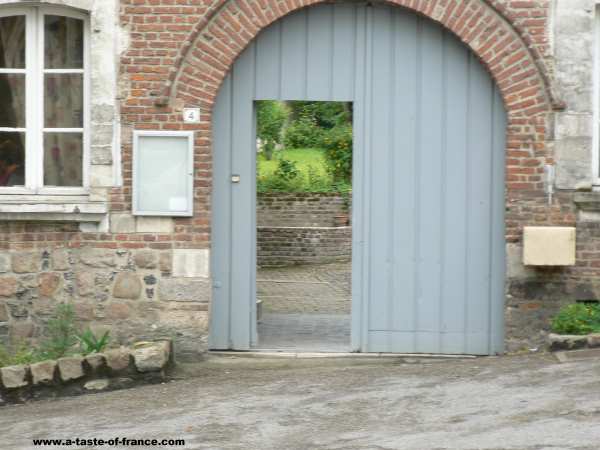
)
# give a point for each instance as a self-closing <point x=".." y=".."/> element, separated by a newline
<point x="216" y="42"/>
<point x="221" y="37"/>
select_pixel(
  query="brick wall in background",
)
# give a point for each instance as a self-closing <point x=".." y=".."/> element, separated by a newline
<point x="302" y="228"/>
<point x="300" y="209"/>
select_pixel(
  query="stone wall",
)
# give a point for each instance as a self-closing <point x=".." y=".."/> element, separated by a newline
<point x="136" y="294"/>
<point x="301" y="228"/>
<point x="285" y="246"/>
<point x="299" y="209"/>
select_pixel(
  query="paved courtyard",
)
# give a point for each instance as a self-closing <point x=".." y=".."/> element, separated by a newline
<point x="305" y="308"/>
<point x="509" y="403"/>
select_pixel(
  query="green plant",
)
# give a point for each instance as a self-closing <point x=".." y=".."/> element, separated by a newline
<point x="271" y="117"/>
<point x="577" y="318"/>
<point x="325" y="114"/>
<point x="287" y="170"/>
<point x="21" y="354"/>
<point x="338" y="152"/>
<point x="61" y="333"/>
<point x="303" y="133"/>
<point x="316" y="181"/>
<point x="89" y="342"/>
<point x="286" y="178"/>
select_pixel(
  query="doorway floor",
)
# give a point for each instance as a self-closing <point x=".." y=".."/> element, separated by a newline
<point x="305" y="308"/>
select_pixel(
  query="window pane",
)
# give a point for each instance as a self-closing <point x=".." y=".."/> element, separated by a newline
<point x="12" y="101"/>
<point x="12" y="42"/>
<point x="63" y="101"/>
<point x="63" y="159"/>
<point x="63" y="42"/>
<point x="12" y="159"/>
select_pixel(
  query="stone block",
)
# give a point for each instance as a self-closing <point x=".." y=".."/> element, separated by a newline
<point x="192" y="263"/>
<point x="49" y="282"/>
<point x="102" y="226"/>
<point x="117" y="359"/>
<point x="165" y="262"/>
<point x="60" y="259"/>
<point x="549" y="246"/>
<point x="4" y="262"/>
<point x="146" y="259"/>
<point x="43" y="372"/>
<point x="155" y="225"/>
<point x="101" y="176"/>
<point x="122" y="223"/>
<point x="96" y="385"/>
<point x="14" y="377"/>
<point x="97" y="257"/>
<point x="99" y="195"/>
<point x="70" y="368"/>
<point x="103" y="113"/>
<point x="515" y="269"/>
<point x="118" y="311"/>
<point x="26" y="262"/>
<point x="86" y="282"/>
<point x="102" y="154"/>
<point x="571" y="125"/>
<point x="21" y="330"/>
<point x="96" y="361"/>
<point x="566" y="342"/>
<point x="151" y="356"/>
<point x="573" y="156"/>
<point x="84" y="311"/>
<point x="8" y="286"/>
<point x="103" y="135"/>
<point x="128" y="286"/>
<point x="593" y="340"/>
<point x="184" y="290"/>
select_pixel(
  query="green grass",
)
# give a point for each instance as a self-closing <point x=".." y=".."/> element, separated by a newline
<point x="303" y="157"/>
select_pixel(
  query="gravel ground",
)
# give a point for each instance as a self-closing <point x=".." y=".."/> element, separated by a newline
<point x="518" y="402"/>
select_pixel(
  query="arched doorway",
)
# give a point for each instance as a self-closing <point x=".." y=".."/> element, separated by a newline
<point x="428" y="209"/>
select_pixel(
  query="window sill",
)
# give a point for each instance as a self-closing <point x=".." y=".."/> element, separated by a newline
<point x="70" y="209"/>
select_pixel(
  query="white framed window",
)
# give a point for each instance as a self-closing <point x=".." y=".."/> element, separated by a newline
<point x="163" y="173"/>
<point x="44" y="101"/>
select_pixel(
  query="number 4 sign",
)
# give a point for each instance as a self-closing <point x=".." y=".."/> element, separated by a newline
<point x="191" y="115"/>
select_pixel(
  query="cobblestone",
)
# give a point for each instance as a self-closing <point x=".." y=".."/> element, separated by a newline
<point x="305" y="308"/>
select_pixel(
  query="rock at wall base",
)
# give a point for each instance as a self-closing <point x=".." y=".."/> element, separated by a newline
<point x="97" y="385"/>
<point x="566" y="342"/>
<point x="71" y="368"/>
<point x="152" y="356"/>
<point x="43" y="372"/>
<point x="14" y="376"/>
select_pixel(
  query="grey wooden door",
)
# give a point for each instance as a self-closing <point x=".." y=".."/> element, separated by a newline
<point x="428" y="189"/>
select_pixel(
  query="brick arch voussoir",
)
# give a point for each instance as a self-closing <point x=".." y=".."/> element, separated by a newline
<point x="220" y="38"/>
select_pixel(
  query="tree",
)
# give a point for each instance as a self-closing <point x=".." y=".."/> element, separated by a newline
<point x="271" y="117"/>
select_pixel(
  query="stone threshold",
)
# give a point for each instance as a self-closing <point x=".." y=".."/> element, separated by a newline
<point x="143" y="363"/>
<point x="273" y="353"/>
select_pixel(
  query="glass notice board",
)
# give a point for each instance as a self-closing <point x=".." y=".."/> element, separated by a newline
<point x="163" y="173"/>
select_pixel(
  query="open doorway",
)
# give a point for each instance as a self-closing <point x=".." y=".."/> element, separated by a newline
<point x="304" y="229"/>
